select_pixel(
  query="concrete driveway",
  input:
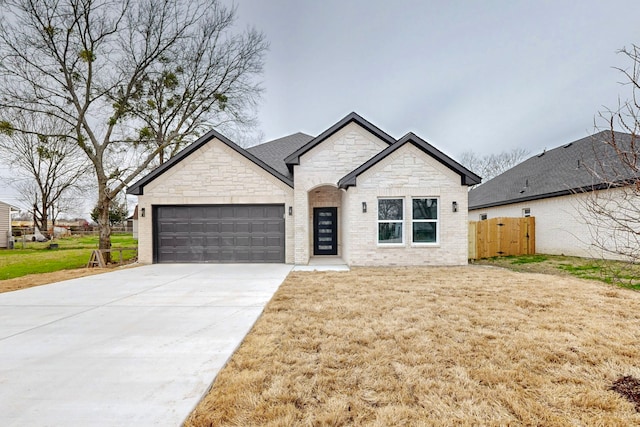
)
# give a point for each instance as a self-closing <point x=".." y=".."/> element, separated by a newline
<point x="133" y="347"/>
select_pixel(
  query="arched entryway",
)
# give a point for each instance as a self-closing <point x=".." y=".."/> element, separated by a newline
<point x="325" y="204"/>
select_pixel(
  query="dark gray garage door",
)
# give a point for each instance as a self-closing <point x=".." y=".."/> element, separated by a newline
<point x="219" y="233"/>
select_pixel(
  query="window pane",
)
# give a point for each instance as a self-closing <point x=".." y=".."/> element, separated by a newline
<point x="424" y="232"/>
<point x="390" y="232"/>
<point x="390" y="209"/>
<point x="425" y="208"/>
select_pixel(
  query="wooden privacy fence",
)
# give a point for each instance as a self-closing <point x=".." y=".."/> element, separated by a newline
<point x="502" y="237"/>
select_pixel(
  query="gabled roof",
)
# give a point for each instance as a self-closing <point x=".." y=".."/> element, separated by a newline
<point x="274" y="152"/>
<point x="567" y="169"/>
<point x="12" y="208"/>
<point x="466" y="176"/>
<point x="294" y="158"/>
<point x="138" y="187"/>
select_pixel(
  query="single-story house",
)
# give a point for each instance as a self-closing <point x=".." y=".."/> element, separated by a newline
<point x="352" y="192"/>
<point x="557" y="187"/>
<point x="5" y="224"/>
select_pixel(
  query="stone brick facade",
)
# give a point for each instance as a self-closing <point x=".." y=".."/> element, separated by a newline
<point x="214" y="174"/>
<point x="323" y="166"/>
<point x="407" y="173"/>
<point x="217" y="172"/>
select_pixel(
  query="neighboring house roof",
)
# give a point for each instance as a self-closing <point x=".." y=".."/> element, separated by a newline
<point x="466" y="176"/>
<point x="138" y="187"/>
<point x="274" y="152"/>
<point x="294" y="158"/>
<point x="11" y="207"/>
<point x="583" y="165"/>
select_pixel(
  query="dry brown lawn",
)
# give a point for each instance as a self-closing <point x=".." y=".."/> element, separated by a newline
<point x="433" y="346"/>
<point x="32" y="280"/>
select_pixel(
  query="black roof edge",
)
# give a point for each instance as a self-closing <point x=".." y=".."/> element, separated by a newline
<point x="294" y="158"/>
<point x="466" y="176"/>
<point x="567" y="192"/>
<point x="138" y="187"/>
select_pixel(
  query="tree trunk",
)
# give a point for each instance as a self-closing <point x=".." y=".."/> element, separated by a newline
<point x="104" y="203"/>
<point x="44" y="221"/>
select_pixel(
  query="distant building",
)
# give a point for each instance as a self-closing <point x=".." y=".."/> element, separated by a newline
<point x="554" y="187"/>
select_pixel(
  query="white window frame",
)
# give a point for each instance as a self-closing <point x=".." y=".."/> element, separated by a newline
<point x="433" y="221"/>
<point x="526" y="212"/>
<point x="391" y="221"/>
<point x="483" y="216"/>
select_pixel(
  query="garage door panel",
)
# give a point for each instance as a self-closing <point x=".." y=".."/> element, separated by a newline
<point x="226" y="211"/>
<point x="212" y="242"/>
<point x="227" y="226"/>
<point x="243" y="227"/>
<point x="273" y="227"/>
<point x="212" y="227"/>
<point x="274" y="241"/>
<point x="257" y="241"/>
<point x="243" y="241"/>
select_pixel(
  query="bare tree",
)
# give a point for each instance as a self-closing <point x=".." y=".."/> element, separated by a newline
<point x="611" y="206"/>
<point x="491" y="165"/>
<point x="46" y="168"/>
<point x="132" y="80"/>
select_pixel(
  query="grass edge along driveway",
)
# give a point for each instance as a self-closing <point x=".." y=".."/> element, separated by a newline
<point x="432" y="346"/>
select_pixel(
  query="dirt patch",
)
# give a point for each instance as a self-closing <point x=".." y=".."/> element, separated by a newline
<point x="31" y="280"/>
<point x="432" y="346"/>
<point x="628" y="387"/>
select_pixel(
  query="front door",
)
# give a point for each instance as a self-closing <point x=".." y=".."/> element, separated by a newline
<point x="325" y="231"/>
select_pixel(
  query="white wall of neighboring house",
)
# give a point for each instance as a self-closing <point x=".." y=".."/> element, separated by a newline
<point x="561" y="227"/>
<point x="5" y="224"/>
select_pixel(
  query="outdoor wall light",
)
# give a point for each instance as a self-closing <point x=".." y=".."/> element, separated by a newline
<point x="364" y="207"/>
<point x="142" y="212"/>
<point x="290" y="210"/>
<point x="454" y="206"/>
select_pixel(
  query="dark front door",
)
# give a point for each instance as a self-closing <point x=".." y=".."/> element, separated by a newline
<point x="325" y="231"/>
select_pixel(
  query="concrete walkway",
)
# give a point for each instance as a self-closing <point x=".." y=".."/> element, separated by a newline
<point x="136" y="347"/>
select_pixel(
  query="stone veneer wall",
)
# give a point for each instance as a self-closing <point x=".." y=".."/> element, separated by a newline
<point x="214" y="174"/>
<point x="323" y="165"/>
<point x="407" y="173"/>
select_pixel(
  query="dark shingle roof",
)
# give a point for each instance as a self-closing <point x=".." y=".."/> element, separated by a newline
<point x="274" y="152"/>
<point x="466" y="176"/>
<point x="577" y="166"/>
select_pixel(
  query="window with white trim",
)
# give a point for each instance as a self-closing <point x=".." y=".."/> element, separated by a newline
<point x="424" y="220"/>
<point x="526" y="212"/>
<point x="390" y="221"/>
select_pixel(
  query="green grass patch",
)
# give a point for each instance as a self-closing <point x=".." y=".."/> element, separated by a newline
<point x="529" y="259"/>
<point x="614" y="272"/>
<point x="72" y="252"/>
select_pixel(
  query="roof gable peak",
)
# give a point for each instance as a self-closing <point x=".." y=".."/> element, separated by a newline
<point x="353" y="117"/>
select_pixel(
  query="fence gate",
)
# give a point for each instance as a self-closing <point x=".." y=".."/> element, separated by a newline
<point x="502" y="237"/>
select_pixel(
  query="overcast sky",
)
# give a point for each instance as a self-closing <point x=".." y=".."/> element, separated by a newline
<point x="485" y="75"/>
